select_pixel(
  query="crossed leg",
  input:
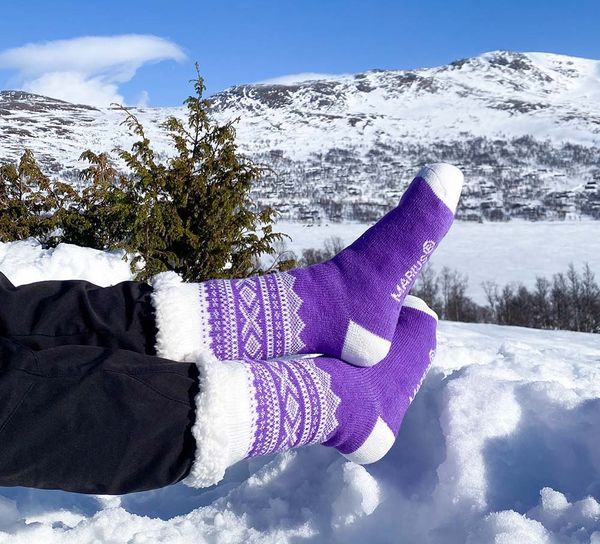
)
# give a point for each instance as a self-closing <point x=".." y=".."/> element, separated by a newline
<point x="89" y="408"/>
<point x="74" y="312"/>
<point x="110" y="421"/>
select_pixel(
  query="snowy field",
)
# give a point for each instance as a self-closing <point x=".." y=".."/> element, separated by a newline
<point x="501" y="445"/>
<point x="515" y="251"/>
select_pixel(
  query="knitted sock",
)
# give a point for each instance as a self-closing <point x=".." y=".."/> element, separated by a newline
<point x="345" y="308"/>
<point x="249" y="408"/>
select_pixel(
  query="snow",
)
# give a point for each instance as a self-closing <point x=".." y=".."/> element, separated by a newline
<point x="27" y="262"/>
<point x="501" y="445"/>
<point x="294" y="79"/>
<point x="445" y="103"/>
<point x="515" y="251"/>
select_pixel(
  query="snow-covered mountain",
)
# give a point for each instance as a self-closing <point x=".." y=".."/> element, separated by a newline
<point x="525" y="127"/>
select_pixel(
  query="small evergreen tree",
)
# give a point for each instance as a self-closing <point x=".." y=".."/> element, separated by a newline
<point x="218" y="233"/>
<point x="191" y="213"/>
<point x="98" y="217"/>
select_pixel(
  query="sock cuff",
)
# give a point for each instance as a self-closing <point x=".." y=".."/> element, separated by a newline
<point x="181" y="318"/>
<point x="225" y="419"/>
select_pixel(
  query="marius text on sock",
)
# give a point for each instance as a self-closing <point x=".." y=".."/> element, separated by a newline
<point x="409" y="276"/>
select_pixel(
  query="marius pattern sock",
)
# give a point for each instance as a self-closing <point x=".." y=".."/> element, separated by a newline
<point x="248" y="408"/>
<point x="345" y="308"/>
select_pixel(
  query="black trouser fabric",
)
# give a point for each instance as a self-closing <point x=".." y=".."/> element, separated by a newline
<point x="84" y="406"/>
<point x="55" y="313"/>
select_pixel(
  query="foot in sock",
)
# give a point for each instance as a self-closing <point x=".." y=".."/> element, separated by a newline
<point x="345" y="308"/>
<point x="250" y="408"/>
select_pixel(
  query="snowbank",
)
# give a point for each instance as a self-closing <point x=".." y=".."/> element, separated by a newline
<point x="502" y="445"/>
<point x="26" y="262"/>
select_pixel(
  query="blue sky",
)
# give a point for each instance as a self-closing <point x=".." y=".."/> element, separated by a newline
<point x="237" y="41"/>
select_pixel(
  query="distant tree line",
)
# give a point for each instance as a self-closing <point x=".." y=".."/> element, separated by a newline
<point x="567" y="301"/>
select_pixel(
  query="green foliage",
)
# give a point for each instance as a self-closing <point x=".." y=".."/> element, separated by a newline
<point x="27" y="199"/>
<point x="191" y="212"/>
<point x="98" y="216"/>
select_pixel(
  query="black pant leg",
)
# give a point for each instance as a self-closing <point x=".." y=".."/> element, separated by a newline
<point x="94" y="420"/>
<point x="53" y="313"/>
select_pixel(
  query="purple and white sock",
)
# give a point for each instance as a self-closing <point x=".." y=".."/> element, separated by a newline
<point x="249" y="408"/>
<point x="345" y="308"/>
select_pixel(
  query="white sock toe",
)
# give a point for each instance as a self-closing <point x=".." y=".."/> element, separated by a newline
<point x="419" y="304"/>
<point x="446" y="182"/>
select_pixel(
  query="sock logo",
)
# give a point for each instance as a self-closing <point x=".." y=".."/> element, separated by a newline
<point x="428" y="247"/>
<point x="418" y="386"/>
<point x="411" y="274"/>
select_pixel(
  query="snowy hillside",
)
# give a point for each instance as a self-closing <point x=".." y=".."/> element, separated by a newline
<point x="500" y="445"/>
<point x="524" y="127"/>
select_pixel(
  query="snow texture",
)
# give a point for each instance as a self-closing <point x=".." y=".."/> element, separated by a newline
<point x="501" y="445"/>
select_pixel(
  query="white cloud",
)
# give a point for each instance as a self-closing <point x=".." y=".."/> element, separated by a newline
<point x="292" y="79"/>
<point x="75" y="87"/>
<point x="86" y="70"/>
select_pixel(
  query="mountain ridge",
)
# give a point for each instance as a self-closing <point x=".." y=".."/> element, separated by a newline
<point x="525" y="127"/>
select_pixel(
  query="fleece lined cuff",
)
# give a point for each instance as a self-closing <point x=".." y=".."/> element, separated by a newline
<point x="225" y="422"/>
<point x="180" y="318"/>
